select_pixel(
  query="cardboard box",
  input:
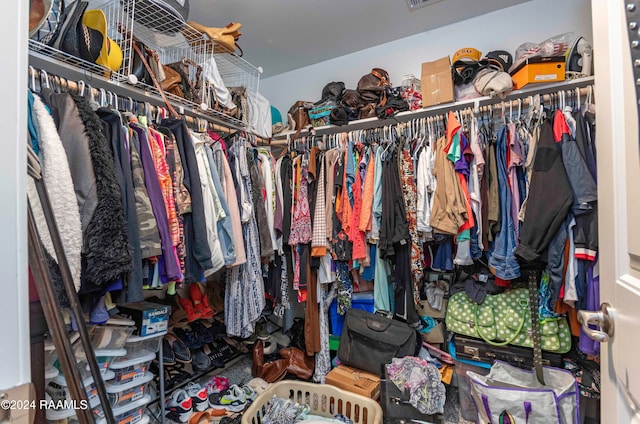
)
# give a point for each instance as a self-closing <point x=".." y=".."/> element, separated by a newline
<point x="424" y="309"/>
<point x="150" y="318"/>
<point x="434" y="336"/>
<point x="537" y="70"/>
<point x="355" y="381"/>
<point x="437" y="82"/>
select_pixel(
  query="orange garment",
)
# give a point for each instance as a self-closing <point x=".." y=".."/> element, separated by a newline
<point x="345" y="203"/>
<point x="469" y="223"/>
<point x="367" y="197"/>
<point x="355" y="235"/>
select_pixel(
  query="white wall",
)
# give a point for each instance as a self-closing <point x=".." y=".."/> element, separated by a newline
<point x="505" y="29"/>
<point x="14" y="304"/>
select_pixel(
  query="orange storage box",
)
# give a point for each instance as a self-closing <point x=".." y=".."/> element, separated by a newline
<point x="537" y="70"/>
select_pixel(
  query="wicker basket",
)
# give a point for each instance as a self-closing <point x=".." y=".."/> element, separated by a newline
<point x="324" y="400"/>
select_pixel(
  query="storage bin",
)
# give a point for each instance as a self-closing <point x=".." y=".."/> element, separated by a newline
<point x="363" y="300"/>
<point x="323" y="399"/>
<point x="128" y="368"/>
<point x="109" y="336"/>
<point x="120" y="394"/>
<point x="57" y="388"/>
<point x="129" y="413"/>
<point x="467" y="406"/>
<point x="139" y="346"/>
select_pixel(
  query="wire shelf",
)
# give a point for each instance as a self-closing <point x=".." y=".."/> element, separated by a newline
<point x="173" y="40"/>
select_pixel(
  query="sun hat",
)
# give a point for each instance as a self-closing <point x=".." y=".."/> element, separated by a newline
<point x="110" y="52"/>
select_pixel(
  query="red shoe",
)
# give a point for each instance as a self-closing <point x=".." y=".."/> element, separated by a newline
<point x="200" y="301"/>
<point x="193" y="314"/>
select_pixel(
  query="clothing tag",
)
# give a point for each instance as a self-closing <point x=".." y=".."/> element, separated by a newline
<point x="403" y="242"/>
<point x="483" y="278"/>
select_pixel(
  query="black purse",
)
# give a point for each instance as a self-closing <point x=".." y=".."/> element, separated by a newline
<point x="368" y="341"/>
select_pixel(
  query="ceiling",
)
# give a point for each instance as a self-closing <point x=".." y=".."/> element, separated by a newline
<point x="283" y="35"/>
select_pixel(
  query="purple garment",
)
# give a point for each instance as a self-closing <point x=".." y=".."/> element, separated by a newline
<point x="586" y="344"/>
<point x="461" y="165"/>
<point x="171" y="269"/>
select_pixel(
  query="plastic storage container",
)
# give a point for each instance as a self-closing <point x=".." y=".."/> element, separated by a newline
<point x="129" y="413"/>
<point x="120" y="394"/>
<point x="104" y="358"/>
<point x="324" y="400"/>
<point x="109" y="336"/>
<point x="139" y="346"/>
<point x="362" y="301"/>
<point x="50" y="355"/>
<point x="467" y="406"/>
<point x="57" y="388"/>
<point x="129" y="368"/>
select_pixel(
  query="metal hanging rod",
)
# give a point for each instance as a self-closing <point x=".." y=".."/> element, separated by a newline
<point x="77" y="79"/>
<point x="480" y="102"/>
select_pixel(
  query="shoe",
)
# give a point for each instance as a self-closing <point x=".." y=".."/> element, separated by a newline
<point x="203" y="417"/>
<point x="201" y="332"/>
<point x="300" y="364"/>
<point x="99" y="313"/>
<point x="188" y="338"/>
<point x="233" y="400"/>
<point x="271" y="371"/>
<point x="229" y="347"/>
<point x="193" y="314"/>
<point x="199" y="397"/>
<point x="281" y="339"/>
<point x="217" y="384"/>
<point x="180" y="350"/>
<point x="168" y="355"/>
<point x="229" y="420"/>
<point x="200" y="301"/>
<point x="249" y="394"/>
<point x="216" y="328"/>
<point x="261" y="330"/>
<point x="201" y="361"/>
<point x="238" y="346"/>
<point x="174" y="376"/>
<point x="215" y="356"/>
<point x="111" y="307"/>
<point x="179" y="407"/>
<point x="270" y="347"/>
<point x="258" y="385"/>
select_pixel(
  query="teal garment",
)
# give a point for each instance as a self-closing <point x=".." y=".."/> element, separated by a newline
<point x="31" y="125"/>
<point x="377" y="189"/>
<point x="454" y="152"/>
<point x="382" y="292"/>
<point x="463" y="236"/>
<point x="275" y="116"/>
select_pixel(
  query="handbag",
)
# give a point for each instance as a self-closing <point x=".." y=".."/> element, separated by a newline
<point x="509" y="394"/>
<point x="371" y="87"/>
<point x="319" y="115"/>
<point x="369" y="341"/>
<point x="504" y="319"/>
<point x="509" y="391"/>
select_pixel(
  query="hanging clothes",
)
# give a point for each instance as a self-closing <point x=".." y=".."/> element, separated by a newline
<point x="244" y="294"/>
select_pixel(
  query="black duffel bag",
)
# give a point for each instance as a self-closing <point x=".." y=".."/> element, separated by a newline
<point x="369" y="341"/>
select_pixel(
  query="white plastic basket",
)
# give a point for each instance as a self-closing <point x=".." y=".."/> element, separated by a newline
<point x="324" y="400"/>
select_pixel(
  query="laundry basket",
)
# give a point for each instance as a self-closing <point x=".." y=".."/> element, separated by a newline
<point x="324" y="400"/>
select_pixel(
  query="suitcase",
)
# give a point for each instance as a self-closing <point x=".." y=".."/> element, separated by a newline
<point x="481" y="351"/>
<point x="396" y="407"/>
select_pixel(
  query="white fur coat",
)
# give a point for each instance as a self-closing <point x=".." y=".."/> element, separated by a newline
<point x="59" y="185"/>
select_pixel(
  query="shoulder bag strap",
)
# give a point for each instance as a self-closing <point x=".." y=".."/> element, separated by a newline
<point x="155" y="81"/>
<point x="535" y="326"/>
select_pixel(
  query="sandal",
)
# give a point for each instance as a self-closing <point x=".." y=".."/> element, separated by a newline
<point x="200" y="301"/>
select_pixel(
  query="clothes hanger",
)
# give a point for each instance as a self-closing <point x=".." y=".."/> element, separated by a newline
<point x="32" y="79"/>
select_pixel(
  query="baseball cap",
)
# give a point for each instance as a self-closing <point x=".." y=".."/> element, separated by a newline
<point x="468" y="53"/>
<point x="500" y="58"/>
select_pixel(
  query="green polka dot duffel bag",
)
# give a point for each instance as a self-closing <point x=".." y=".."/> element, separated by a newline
<point x="504" y="319"/>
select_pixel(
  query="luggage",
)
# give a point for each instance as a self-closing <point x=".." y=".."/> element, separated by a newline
<point x="481" y="351"/>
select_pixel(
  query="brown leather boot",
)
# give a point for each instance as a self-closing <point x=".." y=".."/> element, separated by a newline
<point x="270" y="372"/>
<point x="300" y="364"/>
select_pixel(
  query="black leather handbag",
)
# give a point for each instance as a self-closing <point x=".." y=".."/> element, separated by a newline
<point x="369" y="341"/>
